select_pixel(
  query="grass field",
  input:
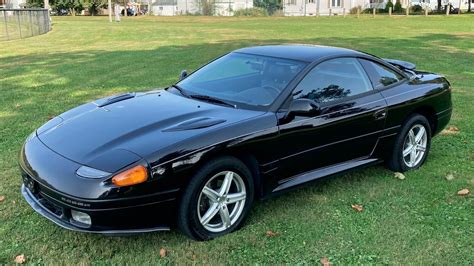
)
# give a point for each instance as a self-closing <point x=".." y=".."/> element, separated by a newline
<point x="419" y="220"/>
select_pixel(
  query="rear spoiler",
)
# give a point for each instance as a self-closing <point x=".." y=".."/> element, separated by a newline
<point x="403" y="65"/>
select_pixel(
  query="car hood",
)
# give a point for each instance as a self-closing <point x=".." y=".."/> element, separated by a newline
<point x="129" y="127"/>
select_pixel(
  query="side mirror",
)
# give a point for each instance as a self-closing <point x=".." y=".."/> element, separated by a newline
<point x="303" y="107"/>
<point x="183" y="74"/>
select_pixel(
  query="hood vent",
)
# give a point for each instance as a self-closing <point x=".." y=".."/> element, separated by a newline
<point x="195" y="123"/>
<point x="114" y="99"/>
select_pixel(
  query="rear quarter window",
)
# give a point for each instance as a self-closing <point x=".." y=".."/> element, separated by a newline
<point x="380" y="75"/>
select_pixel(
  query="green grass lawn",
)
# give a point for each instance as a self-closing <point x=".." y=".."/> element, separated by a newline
<point x="417" y="220"/>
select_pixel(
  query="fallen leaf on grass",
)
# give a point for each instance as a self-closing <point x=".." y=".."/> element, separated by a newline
<point x="50" y="117"/>
<point x="17" y="105"/>
<point x="324" y="261"/>
<point x="450" y="130"/>
<point x="2" y="198"/>
<point x="449" y="177"/>
<point x="162" y="252"/>
<point x="271" y="233"/>
<point x="20" y="259"/>
<point x="463" y="192"/>
<point x="357" y="207"/>
<point x="400" y="176"/>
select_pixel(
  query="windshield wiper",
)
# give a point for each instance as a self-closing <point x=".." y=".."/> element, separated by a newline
<point x="211" y="99"/>
<point x="178" y="88"/>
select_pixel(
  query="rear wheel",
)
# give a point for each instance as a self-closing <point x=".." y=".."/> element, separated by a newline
<point x="217" y="199"/>
<point x="411" y="145"/>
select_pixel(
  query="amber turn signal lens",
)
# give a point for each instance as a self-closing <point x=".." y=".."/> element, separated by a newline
<point x="132" y="176"/>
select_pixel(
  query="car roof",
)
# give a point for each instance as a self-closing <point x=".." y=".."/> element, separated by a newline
<point x="300" y="52"/>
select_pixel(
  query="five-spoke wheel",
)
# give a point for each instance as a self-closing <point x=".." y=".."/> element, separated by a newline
<point x="217" y="199"/>
<point x="222" y="201"/>
<point x="411" y="145"/>
<point x="415" y="145"/>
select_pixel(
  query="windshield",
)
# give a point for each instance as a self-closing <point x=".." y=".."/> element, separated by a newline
<point x="243" y="78"/>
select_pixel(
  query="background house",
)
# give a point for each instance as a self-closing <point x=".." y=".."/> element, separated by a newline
<point x="313" y="7"/>
<point x="181" y="7"/>
<point x="12" y="3"/>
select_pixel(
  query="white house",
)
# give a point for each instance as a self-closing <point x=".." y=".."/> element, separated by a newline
<point x="12" y="3"/>
<point x="433" y="4"/>
<point x="181" y="7"/>
<point x="337" y="7"/>
<point x="429" y="4"/>
<point x="321" y="7"/>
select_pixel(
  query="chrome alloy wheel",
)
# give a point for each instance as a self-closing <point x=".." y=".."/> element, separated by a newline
<point x="221" y="201"/>
<point x="414" y="147"/>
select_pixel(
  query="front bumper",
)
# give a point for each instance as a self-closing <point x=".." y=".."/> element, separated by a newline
<point x="52" y="189"/>
<point x="58" y="220"/>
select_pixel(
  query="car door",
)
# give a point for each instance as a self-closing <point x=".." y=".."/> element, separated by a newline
<point x="350" y="120"/>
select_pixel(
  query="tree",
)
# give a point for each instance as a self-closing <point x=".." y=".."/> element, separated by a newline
<point x="388" y="5"/>
<point x="397" y="8"/>
<point x="95" y="5"/>
<point x="74" y="6"/>
<point x="34" y="3"/>
<point x="207" y="7"/>
<point x="270" y="5"/>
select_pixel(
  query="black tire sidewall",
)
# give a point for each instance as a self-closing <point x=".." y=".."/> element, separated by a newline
<point x="188" y="217"/>
<point x="397" y="157"/>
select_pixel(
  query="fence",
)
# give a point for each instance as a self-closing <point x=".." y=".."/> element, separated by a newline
<point x="22" y="23"/>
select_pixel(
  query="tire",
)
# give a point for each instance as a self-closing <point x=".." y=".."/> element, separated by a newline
<point x="201" y="212"/>
<point x="400" y="163"/>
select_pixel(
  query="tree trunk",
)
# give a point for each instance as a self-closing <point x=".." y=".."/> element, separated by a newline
<point x="469" y="6"/>
<point x="109" y="8"/>
<point x="439" y="5"/>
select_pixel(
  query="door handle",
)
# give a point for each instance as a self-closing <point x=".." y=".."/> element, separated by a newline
<point x="380" y="114"/>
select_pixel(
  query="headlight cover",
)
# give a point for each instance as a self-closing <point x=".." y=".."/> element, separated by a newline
<point x="88" y="172"/>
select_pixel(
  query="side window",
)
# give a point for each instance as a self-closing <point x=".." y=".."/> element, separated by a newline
<point x="381" y="76"/>
<point x="333" y="80"/>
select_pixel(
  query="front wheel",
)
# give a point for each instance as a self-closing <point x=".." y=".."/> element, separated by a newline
<point x="216" y="200"/>
<point x="411" y="145"/>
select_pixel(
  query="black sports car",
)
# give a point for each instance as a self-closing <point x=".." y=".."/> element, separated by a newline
<point x="250" y="124"/>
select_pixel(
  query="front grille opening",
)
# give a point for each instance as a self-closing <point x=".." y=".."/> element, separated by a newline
<point x="55" y="209"/>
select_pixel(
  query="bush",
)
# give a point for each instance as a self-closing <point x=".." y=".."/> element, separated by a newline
<point x="388" y="5"/>
<point x="416" y="9"/>
<point x="353" y="10"/>
<point x="367" y="11"/>
<point x="251" y="12"/>
<point x="206" y="7"/>
<point x="278" y="13"/>
<point x="271" y="6"/>
<point x="397" y="8"/>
